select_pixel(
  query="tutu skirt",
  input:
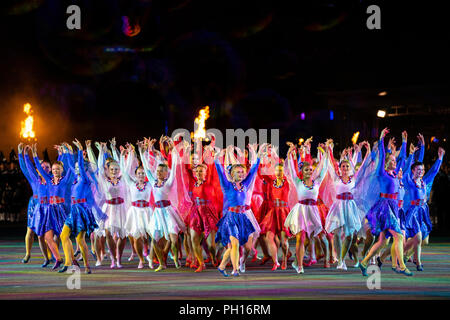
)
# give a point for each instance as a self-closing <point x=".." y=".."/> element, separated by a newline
<point x="417" y="219"/>
<point x="165" y="221"/>
<point x="304" y="218"/>
<point x="138" y="221"/>
<point x="48" y="217"/>
<point x="234" y="224"/>
<point x="344" y="214"/>
<point x="115" y="224"/>
<point x="203" y="218"/>
<point x="273" y="221"/>
<point x="30" y="210"/>
<point x="384" y="215"/>
<point x="81" y="218"/>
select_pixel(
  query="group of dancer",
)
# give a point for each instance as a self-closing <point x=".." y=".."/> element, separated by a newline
<point x="223" y="203"/>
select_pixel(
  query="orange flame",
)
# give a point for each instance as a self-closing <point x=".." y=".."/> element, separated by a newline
<point x="300" y="141"/>
<point x="26" y="130"/>
<point x="199" y="123"/>
<point x="355" y="137"/>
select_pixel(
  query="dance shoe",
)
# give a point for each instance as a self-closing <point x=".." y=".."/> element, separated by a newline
<point x="98" y="263"/>
<point x="406" y="272"/>
<point x="275" y="266"/>
<point x="77" y="253"/>
<point x="379" y="263"/>
<point x="235" y="274"/>
<point x="326" y="265"/>
<point x="223" y="272"/>
<point x="419" y="267"/>
<point x="52" y="259"/>
<point x="200" y="268"/>
<point x="294" y="265"/>
<point x="131" y="258"/>
<point x="356" y="265"/>
<point x="363" y="270"/>
<point x="208" y="260"/>
<point x="57" y="264"/>
<point x="242" y="264"/>
<point x="342" y="266"/>
<point x="26" y="259"/>
<point x="63" y="269"/>
<point x="93" y="255"/>
<point x="113" y="264"/>
<point x="159" y="268"/>
<point x="46" y="263"/>
<point x="300" y="270"/>
<point x="283" y="265"/>
<point x="150" y="262"/>
<point x="119" y="266"/>
<point x="75" y="263"/>
<point x="87" y="271"/>
<point x="141" y="265"/>
<point x="255" y="256"/>
<point x="264" y="260"/>
<point x="177" y="264"/>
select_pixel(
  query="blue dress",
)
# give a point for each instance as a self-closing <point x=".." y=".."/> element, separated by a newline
<point x="383" y="215"/>
<point x="232" y="223"/>
<point x="38" y="224"/>
<point x="34" y="186"/>
<point x="55" y="216"/>
<point x="81" y="216"/>
<point x="417" y="216"/>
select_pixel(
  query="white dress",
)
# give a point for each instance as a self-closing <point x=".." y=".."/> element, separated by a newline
<point x="165" y="220"/>
<point x="137" y="223"/>
<point x="344" y="213"/>
<point x="304" y="217"/>
<point x="117" y="213"/>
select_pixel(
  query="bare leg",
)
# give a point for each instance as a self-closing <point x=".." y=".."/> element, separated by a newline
<point x="112" y="247"/>
<point x="121" y="242"/>
<point x="174" y="241"/>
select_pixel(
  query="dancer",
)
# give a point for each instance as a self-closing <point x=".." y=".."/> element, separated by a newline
<point x="165" y="223"/>
<point x="383" y="216"/>
<point x="139" y="213"/>
<point x="344" y="217"/>
<point x="32" y="203"/>
<point x="417" y="222"/>
<point x="51" y="221"/>
<point x="235" y="228"/>
<point x="304" y="218"/>
<point x="81" y="219"/>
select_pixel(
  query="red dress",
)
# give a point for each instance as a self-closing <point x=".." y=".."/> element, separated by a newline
<point x="278" y="207"/>
<point x="203" y="216"/>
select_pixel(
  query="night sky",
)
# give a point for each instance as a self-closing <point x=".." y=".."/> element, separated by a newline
<point x="257" y="64"/>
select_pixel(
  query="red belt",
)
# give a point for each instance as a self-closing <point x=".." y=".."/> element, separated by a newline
<point x="400" y="203"/>
<point x="201" y="202"/>
<point x="115" y="201"/>
<point x="75" y="201"/>
<point x="43" y="200"/>
<point x="279" y="203"/>
<point x="389" y="195"/>
<point x="239" y="209"/>
<point x="162" y="203"/>
<point x="345" y="196"/>
<point x="35" y="196"/>
<point x="141" y="204"/>
<point x="56" y="200"/>
<point x="309" y="202"/>
<point x="418" y="202"/>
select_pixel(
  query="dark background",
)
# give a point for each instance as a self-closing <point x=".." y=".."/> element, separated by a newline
<point x="257" y="64"/>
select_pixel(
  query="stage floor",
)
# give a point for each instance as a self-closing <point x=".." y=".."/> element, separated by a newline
<point x="30" y="281"/>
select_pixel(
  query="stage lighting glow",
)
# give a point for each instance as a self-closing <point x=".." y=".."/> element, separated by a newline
<point x="382" y="93"/>
<point x="381" y="113"/>
<point x="302" y="116"/>
<point x="300" y="141"/>
<point x="331" y="115"/>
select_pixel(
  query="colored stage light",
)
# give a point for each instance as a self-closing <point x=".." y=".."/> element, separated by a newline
<point x="381" y="113"/>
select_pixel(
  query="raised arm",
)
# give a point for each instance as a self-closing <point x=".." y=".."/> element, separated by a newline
<point x="322" y="168"/>
<point x="44" y="174"/>
<point x="252" y="173"/>
<point x="31" y="168"/>
<point x="429" y="176"/>
<point x="382" y="153"/>
<point x="147" y="170"/>
<point x="123" y="168"/>
<point x="22" y="165"/>
<point x="91" y="156"/>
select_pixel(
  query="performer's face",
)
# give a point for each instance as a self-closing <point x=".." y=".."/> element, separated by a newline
<point x="279" y="172"/>
<point x="345" y="168"/>
<point x="418" y="172"/>
<point x="307" y="171"/>
<point x="239" y="174"/>
<point x="140" y="174"/>
<point x="200" y="173"/>
<point x="114" y="170"/>
<point x="46" y="167"/>
<point x="57" y="170"/>
<point x="161" y="172"/>
<point x="391" y="164"/>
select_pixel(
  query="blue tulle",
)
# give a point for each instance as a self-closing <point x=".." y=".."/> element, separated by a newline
<point x="81" y="218"/>
<point x="48" y="217"/>
<point x="236" y="225"/>
<point x="31" y="207"/>
<point x="384" y="215"/>
<point x="402" y="217"/>
<point x="418" y="220"/>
